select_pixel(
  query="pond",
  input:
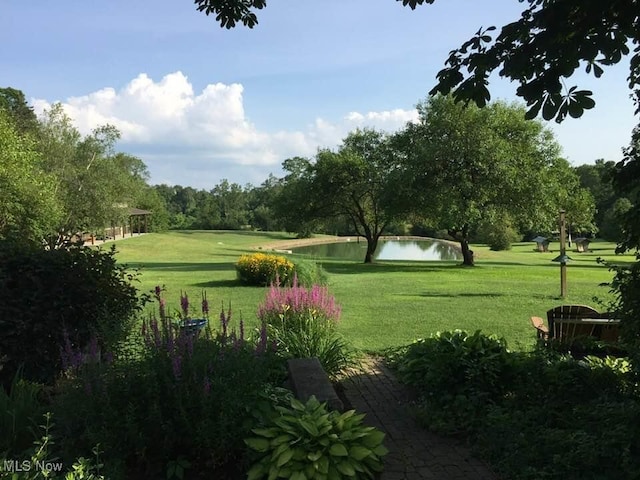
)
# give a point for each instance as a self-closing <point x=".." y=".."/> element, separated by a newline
<point x="419" y="250"/>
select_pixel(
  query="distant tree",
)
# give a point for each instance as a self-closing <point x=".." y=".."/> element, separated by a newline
<point x="465" y="165"/>
<point x="231" y="200"/>
<point x="261" y="205"/>
<point x="598" y="179"/>
<point x="13" y="102"/>
<point x="355" y="182"/>
<point x="293" y="208"/>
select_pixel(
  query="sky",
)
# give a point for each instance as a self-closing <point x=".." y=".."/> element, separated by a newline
<point x="199" y="104"/>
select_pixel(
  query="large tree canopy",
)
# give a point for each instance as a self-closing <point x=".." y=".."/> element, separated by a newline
<point x="357" y="182"/>
<point x="466" y="164"/>
<point x="550" y="41"/>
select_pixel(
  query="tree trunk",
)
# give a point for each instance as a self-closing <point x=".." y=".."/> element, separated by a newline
<point x="372" y="244"/>
<point x="467" y="253"/>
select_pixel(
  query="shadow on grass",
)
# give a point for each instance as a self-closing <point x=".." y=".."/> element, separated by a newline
<point x="218" y="283"/>
<point x="453" y="295"/>
<point x="184" y="267"/>
<point x="359" y="268"/>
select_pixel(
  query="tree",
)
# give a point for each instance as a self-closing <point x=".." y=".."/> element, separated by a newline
<point x="356" y="182"/>
<point x="13" y="102"/>
<point x="550" y="41"/>
<point x="466" y="164"/>
<point x="28" y="207"/>
<point x="598" y="179"/>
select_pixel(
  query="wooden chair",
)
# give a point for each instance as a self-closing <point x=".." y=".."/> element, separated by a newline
<point x="568" y="322"/>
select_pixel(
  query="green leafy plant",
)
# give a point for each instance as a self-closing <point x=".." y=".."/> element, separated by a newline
<point x="41" y="464"/>
<point x="309" y="273"/>
<point x="307" y="442"/>
<point x="20" y="408"/>
<point x="457" y="375"/>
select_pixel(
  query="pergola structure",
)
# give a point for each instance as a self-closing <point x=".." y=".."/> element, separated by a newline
<point x="138" y="218"/>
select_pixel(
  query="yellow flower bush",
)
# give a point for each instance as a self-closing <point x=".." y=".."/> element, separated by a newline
<point x="264" y="269"/>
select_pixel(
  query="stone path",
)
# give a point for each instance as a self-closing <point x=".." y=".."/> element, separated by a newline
<point x="414" y="453"/>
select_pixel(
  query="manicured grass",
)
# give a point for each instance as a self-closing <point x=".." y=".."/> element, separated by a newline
<point x="388" y="303"/>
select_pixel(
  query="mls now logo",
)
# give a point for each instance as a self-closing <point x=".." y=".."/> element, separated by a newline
<point x="16" y="466"/>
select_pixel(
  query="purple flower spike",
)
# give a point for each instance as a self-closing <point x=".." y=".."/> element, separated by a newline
<point x="184" y="303"/>
<point x="205" y="304"/>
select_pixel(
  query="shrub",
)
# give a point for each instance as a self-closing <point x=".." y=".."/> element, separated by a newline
<point x="309" y="273"/>
<point x="184" y="398"/>
<point x="457" y="376"/>
<point x="44" y="293"/>
<point x="539" y="414"/>
<point x="498" y="233"/>
<point x="303" y="321"/>
<point x="21" y="407"/>
<point x="306" y="441"/>
<point x="565" y="419"/>
<point x="262" y="269"/>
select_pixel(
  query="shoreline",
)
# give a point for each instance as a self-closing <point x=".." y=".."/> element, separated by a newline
<point x="284" y="246"/>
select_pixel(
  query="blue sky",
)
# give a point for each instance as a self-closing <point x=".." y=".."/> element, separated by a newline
<point x="198" y="103"/>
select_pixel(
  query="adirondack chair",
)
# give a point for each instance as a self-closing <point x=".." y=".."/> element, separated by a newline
<point x="568" y="322"/>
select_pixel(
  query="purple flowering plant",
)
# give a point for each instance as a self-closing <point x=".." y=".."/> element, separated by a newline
<point x="187" y="392"/>
<point x="289" y="304"/>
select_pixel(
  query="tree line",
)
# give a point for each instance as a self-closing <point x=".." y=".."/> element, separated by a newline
<point x="471" y="174"/>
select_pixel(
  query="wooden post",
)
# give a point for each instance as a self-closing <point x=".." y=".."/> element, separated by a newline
<point x="563" y="263"/>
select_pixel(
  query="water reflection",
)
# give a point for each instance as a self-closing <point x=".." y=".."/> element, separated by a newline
<point x="422" y="250"/>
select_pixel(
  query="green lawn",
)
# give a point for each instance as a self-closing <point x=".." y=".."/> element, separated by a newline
<point x="387" y="303"/>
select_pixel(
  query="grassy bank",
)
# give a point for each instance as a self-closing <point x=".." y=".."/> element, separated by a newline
<point x="387" y="303"/>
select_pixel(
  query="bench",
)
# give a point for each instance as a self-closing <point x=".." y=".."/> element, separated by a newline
<point x="565" y="323"/>
<point x="308" y="378"/>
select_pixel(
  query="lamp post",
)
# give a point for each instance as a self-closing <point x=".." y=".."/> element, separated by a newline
<point x="563" y="257"/>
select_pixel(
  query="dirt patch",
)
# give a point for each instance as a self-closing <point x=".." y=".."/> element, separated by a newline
<point x="303" y="242"/>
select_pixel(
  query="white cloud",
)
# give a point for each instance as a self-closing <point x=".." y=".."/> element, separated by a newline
<point x="176" y="130"/>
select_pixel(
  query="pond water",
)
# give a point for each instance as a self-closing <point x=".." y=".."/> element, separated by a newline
<point x="420" y="250"/>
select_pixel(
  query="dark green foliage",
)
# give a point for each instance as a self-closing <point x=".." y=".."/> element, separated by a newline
<point x="456" y="374"/>
<point x="565" y="419"/>
<point x="499" y="234"/>
<point x="21" y="408"/>
<point x="171" y="400"/>
<point x="44" y="293"/>
<point x="537" y="415"/>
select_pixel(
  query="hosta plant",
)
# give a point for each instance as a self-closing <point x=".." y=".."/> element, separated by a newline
<point x="305" y="441"/>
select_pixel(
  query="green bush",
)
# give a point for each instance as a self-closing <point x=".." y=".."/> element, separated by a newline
<point x="498" y="233"/>
<point x="45" y="293"/>
<point x="21" y="407"/>
<point x="309" y="273"/>
<point x="263" y="269"/>
<point x="182" y="399"/>
<point x="565" y="419"/>
<point x="306" y="442"/>
<point x="532" y="415"/>
<point x="457" y="376"/>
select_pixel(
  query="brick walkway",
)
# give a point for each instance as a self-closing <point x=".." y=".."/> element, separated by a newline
<point x="414" y="453"/>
